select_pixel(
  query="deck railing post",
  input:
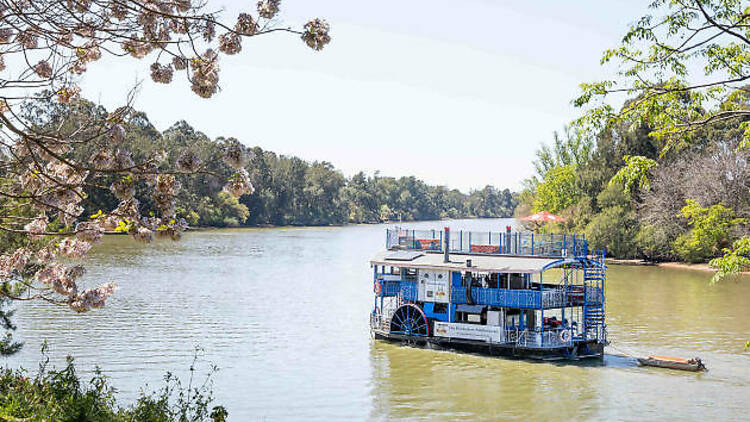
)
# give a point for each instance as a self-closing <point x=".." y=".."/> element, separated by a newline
<point x="532" y="244"/>
<point x="446" y="253"/>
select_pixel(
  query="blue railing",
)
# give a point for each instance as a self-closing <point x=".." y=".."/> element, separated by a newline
<point x="404" y="288"/>
<point x="490" y="243"/>
<point x="508" y="298"/>
<point x="524" y="299"/>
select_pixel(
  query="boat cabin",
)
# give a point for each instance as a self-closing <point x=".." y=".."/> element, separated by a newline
<point x="507" y="293"/>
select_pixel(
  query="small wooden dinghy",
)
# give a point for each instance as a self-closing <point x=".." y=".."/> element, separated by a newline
<point x="671" y="362"/>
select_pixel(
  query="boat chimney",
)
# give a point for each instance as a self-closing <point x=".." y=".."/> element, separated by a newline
<point x="447" y="254"/>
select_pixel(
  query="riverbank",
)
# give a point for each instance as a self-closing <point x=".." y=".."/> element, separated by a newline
<point x="673" y="264"/>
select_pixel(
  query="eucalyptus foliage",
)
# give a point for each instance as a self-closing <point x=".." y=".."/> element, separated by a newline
<point x="558" y="190"/>
<point x="634" y="173"/>
<point x="656" y="64"/>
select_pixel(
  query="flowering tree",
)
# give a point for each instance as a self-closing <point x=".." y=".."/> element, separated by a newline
<point x="46" y="47"/>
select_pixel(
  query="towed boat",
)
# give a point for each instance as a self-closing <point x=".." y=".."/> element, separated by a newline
<point x="671" y="362"/>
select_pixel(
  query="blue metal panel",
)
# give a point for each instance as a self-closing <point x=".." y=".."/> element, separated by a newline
<point x="409" y="290"/>
<point x="390" y="288"/>
<point x="429" y="311"/>
<point x="524" y="299"/>
<point x="458" y="292"/>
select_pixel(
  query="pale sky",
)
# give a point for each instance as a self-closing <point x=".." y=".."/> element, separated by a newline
<point x="456" y="93"/>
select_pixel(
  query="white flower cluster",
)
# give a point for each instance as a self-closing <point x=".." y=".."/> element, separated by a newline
<point x="188" y="162"/>
<point x="179" y="63"/>
<point x="14" y="263"/>
<point x="239" y="184"/>
<point x="37" y="227"/>
<point x="316" y="34"/>
<point x="123" y="188"/>
<point x="73" y="248"/>
<point x="268" y="8"/>
<point x="205" y="76"/>
<point x="246" y="25"/>
<point x="165" y="191"/>
<point x="230" y="43"/>
<point x="161" y="73"/>
<point x="92" y="298"/>
<point x="43" y="69"/>
<point x="235" y="156"/>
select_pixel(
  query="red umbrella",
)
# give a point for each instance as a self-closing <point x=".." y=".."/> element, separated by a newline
<point x="543" y="217"/>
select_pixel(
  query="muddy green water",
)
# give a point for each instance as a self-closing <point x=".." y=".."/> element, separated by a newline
<point x="284" y="314"/>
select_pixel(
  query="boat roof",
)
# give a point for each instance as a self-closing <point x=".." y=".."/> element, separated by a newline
<point x="479" y="263"/>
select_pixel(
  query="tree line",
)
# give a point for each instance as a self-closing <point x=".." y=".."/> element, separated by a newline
<point x="690" y="207"/>
<point x="287" y="190"/>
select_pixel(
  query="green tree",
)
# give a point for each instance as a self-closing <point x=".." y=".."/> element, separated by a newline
<point x="710" y="231"/>
<point x="615" y="227"/>
<point x="655" y="63"/>
<point x="558" y="190"/>
<point x="570" y="148"/>
<point x="732" y="261"/>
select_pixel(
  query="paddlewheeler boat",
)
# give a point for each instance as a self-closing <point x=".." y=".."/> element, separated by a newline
<point x="521" y="294"/>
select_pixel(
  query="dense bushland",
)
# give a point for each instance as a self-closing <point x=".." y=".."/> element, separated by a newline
<point x="287" y="190"/>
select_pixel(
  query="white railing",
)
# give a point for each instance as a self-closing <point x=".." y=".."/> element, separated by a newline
<point x="553" y="297"/>
<point x="544" y="339"/>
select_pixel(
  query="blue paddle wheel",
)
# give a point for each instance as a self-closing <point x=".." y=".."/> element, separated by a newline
<point x="410" y="320"/>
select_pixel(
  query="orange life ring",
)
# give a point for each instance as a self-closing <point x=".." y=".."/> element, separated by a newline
<point x="378" y="288"/>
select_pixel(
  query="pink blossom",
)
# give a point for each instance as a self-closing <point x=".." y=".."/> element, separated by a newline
<point x="73" y="248"/>
<point x="143" y="235"/>
<point x="246" y="25"/>
<point x="230" y="43"/>
<point x="316" y="34"/>
<point x="239" y="184"/>
<point x="89" y="231"/>
<point x="268" y="8"/>
<point x="37" y="227"/>
<point x="161" y="73"/>
<point x="43" y="69"/>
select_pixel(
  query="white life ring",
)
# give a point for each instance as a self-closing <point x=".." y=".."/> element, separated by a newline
<point x="565" y="336"/>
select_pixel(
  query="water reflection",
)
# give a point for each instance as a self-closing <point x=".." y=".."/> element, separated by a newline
<point x="415" y="384"/>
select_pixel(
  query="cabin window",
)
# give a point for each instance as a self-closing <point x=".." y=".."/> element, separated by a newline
<point x="517" y="281"/>
<point x="409" y="274"/>
<point x="440" y="308"/>
<point x="477" y="279"/>
<point x="513" y="318"/>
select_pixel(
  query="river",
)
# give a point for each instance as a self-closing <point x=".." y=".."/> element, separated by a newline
<point x="283" y="312"/>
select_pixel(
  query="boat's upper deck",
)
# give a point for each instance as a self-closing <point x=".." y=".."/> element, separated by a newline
<point x="457" y="262"/>
<point x="508" y="243"/>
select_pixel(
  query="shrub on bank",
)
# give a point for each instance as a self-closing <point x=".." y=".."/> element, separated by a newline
<point x="62" y="395"/>
<point x="711" y="230"/>
<point x="654" y="243"/>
